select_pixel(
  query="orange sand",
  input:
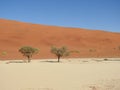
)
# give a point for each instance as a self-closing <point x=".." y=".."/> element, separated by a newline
<point x="90" y="43"/>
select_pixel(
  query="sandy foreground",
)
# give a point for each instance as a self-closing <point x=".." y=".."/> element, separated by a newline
<point x="69" y="74"/>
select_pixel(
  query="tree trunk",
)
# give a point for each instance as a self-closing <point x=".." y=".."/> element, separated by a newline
<point x="29" y="60"/>
<point x="58" y="58"/>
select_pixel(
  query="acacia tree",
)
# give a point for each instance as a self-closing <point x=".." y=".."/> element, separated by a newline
<point x="28" y="52"/>
<point x="60" y="52"/>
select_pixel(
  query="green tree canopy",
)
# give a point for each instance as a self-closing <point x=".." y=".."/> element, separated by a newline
<point x="60" y="52"/>
<point x="28" y="51"/>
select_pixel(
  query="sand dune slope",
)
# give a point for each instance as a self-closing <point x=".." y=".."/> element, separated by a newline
<point x="90" y="43"/>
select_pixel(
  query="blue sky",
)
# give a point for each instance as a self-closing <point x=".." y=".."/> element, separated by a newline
<point x="91" y="14"/>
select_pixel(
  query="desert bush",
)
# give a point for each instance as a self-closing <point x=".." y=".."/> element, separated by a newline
<point x="118" y="47"/>
<point x="92" y="50"/>
<point x="60" y="52"/>
<point x="74" y="51"/>
<point x="4" y="53"/>
<point x="28" y="52"/>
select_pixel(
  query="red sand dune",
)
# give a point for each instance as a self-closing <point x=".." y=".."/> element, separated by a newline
<point x="89" y="43"/>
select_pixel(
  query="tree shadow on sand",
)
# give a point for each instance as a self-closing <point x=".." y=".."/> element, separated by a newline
<point x="50" y="61"/>
<point x="15" y="62"/>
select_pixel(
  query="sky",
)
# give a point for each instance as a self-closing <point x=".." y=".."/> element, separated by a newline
<point x="90" y="14"/>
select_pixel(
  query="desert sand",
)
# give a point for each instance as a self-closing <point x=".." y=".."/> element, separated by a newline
<point x="81" y="72"/>
<point x="90" y="43"/>
<point x="69" y="74"/>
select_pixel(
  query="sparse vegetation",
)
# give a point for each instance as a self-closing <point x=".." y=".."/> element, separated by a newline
<point x="4" y="53"/>
<point x="119" y="47"/>
<point x="114" y="48"/>
<point x="75" y="51"/>
<point x="92" y="50"/>
<point x="60" y="52"/>
<point x="28" y="52"/>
